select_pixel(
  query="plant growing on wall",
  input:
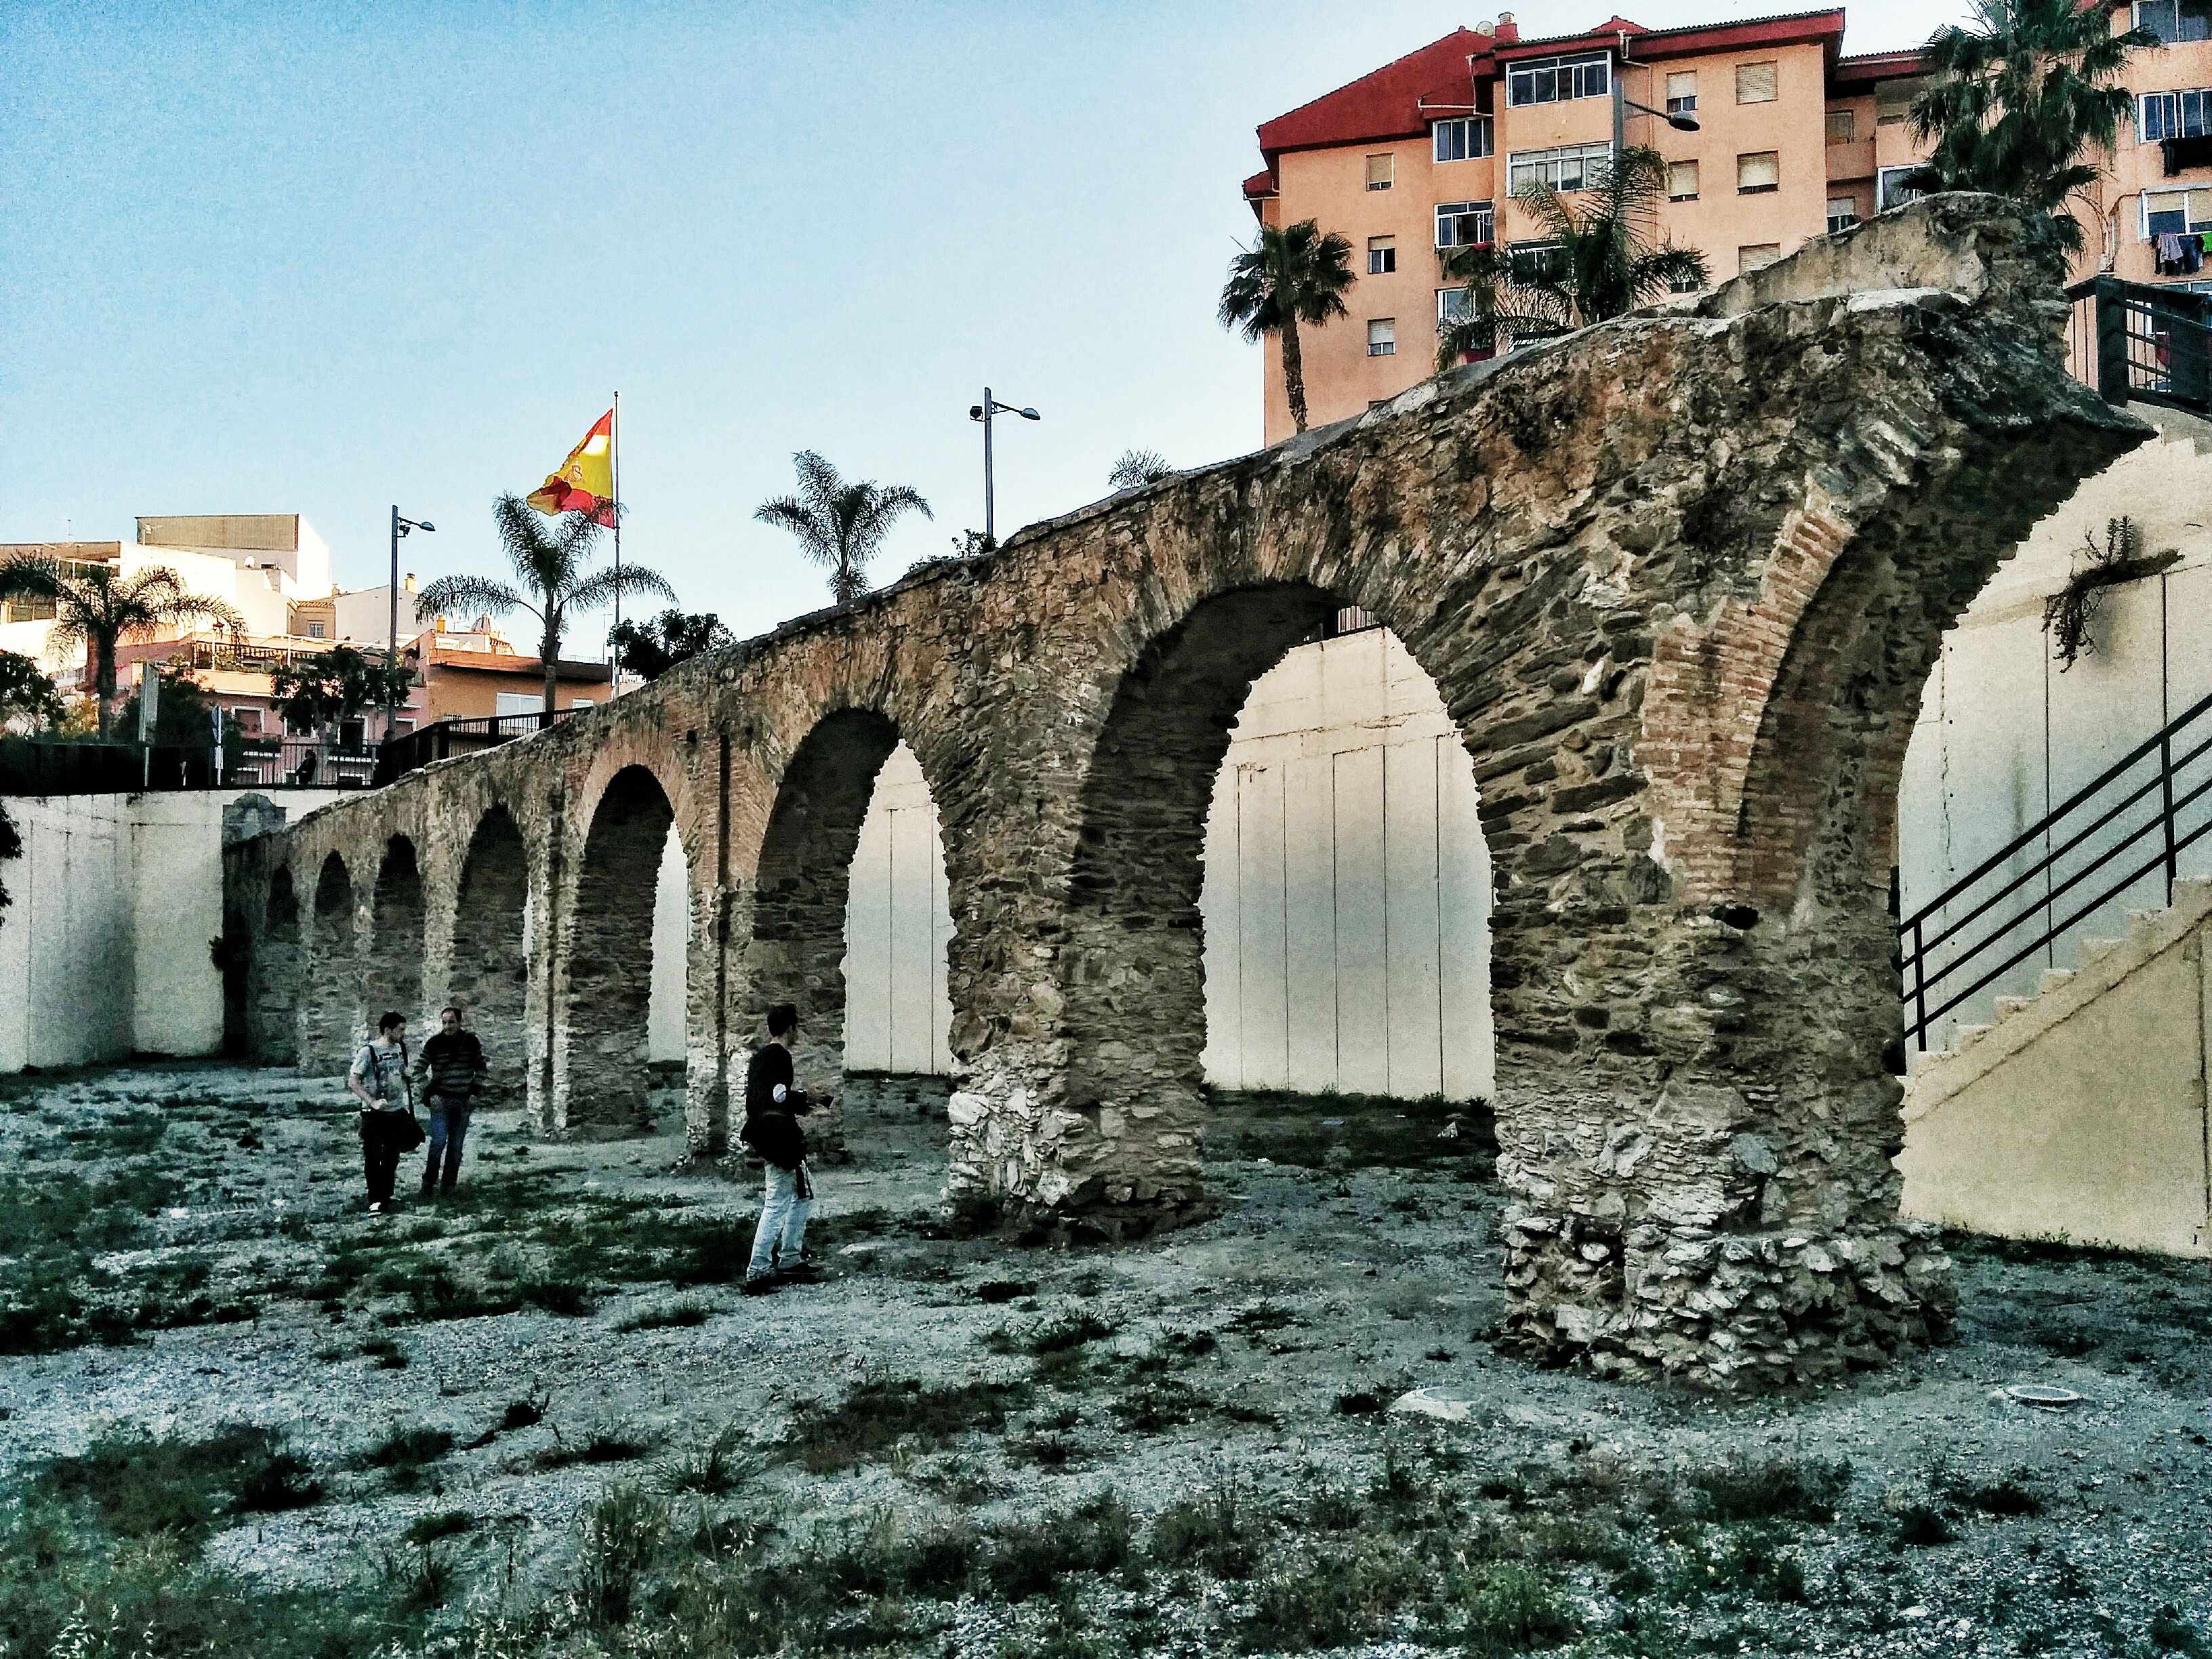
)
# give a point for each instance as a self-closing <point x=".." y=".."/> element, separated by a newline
<point x="2018" y="99"/>
<point x="97" y="606"/>
<point x="11" y="847"/>
<point x="840" y="524"/>
<point x="1138" y="467"/>
<point x="2068" y="613"/>
<point x="1293" y="276"/>
<point x="549" y="557"/>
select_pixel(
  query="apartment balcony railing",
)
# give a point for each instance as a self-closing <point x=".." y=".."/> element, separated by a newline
<point x="2137" y="340"/>
<point x="396" y="756"/>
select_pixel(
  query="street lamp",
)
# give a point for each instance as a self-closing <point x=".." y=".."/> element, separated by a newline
<point x="400" y="527"/>
<point x="982" y="412"/>
<point x="1622" y="103"/>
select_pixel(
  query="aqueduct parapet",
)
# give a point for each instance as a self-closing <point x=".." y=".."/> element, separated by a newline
<point x="1680" y="577"/>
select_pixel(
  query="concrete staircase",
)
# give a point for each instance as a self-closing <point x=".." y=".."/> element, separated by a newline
<point x="2081" y="1113"/>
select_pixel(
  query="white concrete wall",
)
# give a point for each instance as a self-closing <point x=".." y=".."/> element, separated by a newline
<point x="104" y="950"/>
<point x="2004" y="736"/>
<point x="1347" y="886"/>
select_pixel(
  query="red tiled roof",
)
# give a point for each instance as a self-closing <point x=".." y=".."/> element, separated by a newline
<point x="1385" y="104"/>
<point x="1784" y="29"/>
<point x="1261" y="183"/>
<point x="501" y="662"/>
<point x="1869" y="67"/>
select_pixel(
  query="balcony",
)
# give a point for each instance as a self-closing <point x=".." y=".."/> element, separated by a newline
<point x="1851" y="161"/>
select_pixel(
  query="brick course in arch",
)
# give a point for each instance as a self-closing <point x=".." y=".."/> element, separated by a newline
<point x="1679" y="579"/>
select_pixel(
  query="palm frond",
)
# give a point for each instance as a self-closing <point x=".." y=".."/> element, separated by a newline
<point x="604" y="587"/>
<point x="462" y="594"/>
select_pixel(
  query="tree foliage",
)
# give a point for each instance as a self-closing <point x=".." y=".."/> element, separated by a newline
<point x="651" y="649"/>
<point x="549" y="557"/>
<point x="27" y="695"/>
<point x="1293" y="277"/>
<point x="97" y="606"/>
<point x="839" y="525"/>
<point x="2020" y="99"/>
<point x="1596" y="261"/>
<point x="315" y="693"/>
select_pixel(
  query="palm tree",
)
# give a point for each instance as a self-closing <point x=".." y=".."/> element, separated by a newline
<point x="1289" y="276"/>
<point x="1594" y="260"/>
<point x="839" y="525"/>
<point x="2019" y="97"/>
<point x="550" y="557"/>
<point x="1137" y="468"/>
<point x="97" y="604"/>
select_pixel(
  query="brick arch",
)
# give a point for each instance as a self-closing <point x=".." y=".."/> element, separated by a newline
<point x="489" y="975"/>
<point x="392" y="966"/>
<point x="1667" y="573"/>
<point x="606" y="931"/>
<point x="273" y="976"/>
<point x="333" y="1004"/>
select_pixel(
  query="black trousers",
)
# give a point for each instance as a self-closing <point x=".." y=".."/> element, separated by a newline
<point x="379" y="1152"/>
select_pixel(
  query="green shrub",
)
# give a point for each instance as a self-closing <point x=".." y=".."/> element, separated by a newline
<point x="1778" y="1488"/>
<point x="139" y="1486"/>
<point x="880" y="1412"/>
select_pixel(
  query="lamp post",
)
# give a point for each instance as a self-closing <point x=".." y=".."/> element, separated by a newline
<point x="400" y="527"/>
<point x="982" y="412"/>
<point x="1622" y="103"/>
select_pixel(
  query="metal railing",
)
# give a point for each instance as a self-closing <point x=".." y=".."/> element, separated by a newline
<point x="290" y="762"/>
<point x="2136" y="340"/>
<point x="2136" y="813"/>
<point x="396" y="756"/>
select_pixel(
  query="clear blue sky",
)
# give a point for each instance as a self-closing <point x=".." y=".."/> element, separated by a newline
<point x="324" y="257"/>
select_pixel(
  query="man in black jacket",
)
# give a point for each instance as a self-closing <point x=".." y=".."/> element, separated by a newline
<point x="451" y="1069"/>
<point x="773" y="1106"/>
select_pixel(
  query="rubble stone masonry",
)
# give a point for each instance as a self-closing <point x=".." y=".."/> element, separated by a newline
<point x="1680" y="577"/>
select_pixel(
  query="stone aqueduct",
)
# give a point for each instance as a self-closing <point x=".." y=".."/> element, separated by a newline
<point x="1681" y="579"/>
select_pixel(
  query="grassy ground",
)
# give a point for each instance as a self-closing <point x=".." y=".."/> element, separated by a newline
<point x="238" y="1416"/>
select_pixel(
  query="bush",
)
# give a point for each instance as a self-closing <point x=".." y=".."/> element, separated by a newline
<point x="622" y="1535"/>
<point x="1216" y="1531"/>
<point x="139" y="1486"/>
<point x="879" y="1413"/>
<point x="1511" y="1608"/>
<point x="1744" y="1488"/>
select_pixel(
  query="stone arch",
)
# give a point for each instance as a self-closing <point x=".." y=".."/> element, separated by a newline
<point x="489" y="978"/>
<point x="602" y="1082"/>
<point x="333" y="996"/>
<point x="274" y="977"/>
<point x="801" y="885"/>
<point x="392" y="976"/>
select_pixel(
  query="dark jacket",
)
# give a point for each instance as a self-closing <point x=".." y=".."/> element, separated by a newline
<point x="772" y="1124"/>
<point x="451" y="1067"/>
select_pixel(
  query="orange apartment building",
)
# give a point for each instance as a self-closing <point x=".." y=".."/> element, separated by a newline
<point x="1796" y="140"/>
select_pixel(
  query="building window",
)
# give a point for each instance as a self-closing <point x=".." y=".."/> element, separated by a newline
<point x="1681" y="181"/>
<point x="1757" y="172"/>
<point x="1683" y="284"/>
<point x="1682" y="92"/>
<point x="1465" y="224"/>
<point x="1382" y="255"/>
<point x="2173" y="115"/>
<point x="1570" y="167"/>
<point x="2175" y="213"/>
<point x="1893" y="100"/>
<point x="1467" y="139"/>
<point x="1843" y="126"/>
<point x="1757" y="256"/>
<point x="2170" y="22"/>
<point x="1454" y="305"/>
<point x="1843" y="213"/>
<point x="249" y="721"/>
<point x="1889" y="189"/>
<point x="315" y="630"/>
<point x="1378" y="172"/>
<point x="1754" y="83"/>
<point x="1382" y="336"/>
<point x="1555" y="80"/>
<point x="1539" y="262"/>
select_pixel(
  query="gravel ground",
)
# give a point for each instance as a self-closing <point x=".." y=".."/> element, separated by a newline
<point x="1256" y="1346"/>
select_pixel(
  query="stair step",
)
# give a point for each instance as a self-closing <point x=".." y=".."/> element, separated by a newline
<point x="2094" y="950"/>
<point x="2008" y="1006"/>
<point x="2141" y="922"/>
<point x="1964" y="1038"/>
<point x="2054" y="979"/>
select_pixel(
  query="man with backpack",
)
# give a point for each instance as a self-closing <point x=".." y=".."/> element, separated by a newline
<point x="773" y="1107"/>
<point x="378" y="1079"/>
<point x="452" y="1070"/>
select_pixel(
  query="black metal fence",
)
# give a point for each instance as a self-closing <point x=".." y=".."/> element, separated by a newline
<point x="2134" y="340"/>
<point x="396" y="756"/>
<point x="2138" y="816"/>
<point x="28" y="767"/>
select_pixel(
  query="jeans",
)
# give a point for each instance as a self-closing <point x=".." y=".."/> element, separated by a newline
<point x="379" y="1153"/>
<point x="781" y="1239"/>
<point x="449" y="1127"/>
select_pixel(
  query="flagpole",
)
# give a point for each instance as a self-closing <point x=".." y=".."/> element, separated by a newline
<point x="614" y="652"/>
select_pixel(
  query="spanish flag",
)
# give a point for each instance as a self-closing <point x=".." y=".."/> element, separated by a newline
<point x="586" y="482"/>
